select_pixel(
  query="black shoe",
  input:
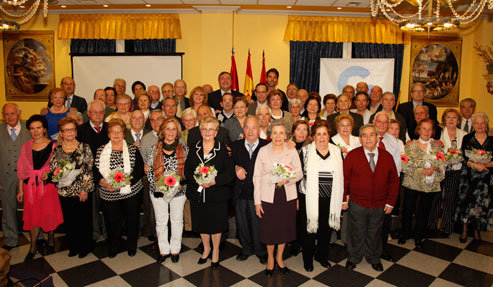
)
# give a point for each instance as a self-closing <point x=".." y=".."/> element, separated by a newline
<point x="112" y="254"/>
<point x="29" y="256"/>
<point x="350" y="265"/>
<point x="284" y="270"/>
<point x="324" y="263"/>
<point x="418" y="243"/>
<point x="202" y="260"/>
<point x="8" y="247"/>
<point x="463" y="239"/>
<point x="215" y="265"/>
<point x="388" y="257"/>
<point x="131" y="252"/>
<point x="242" y="257"/>
<point x="50" y="249"/>
<point x="262" y="259"/>
<point x="162" y="258"/>
<point x="401" y="241"/>
<point x="269" y="272"/>
<point x="175" y="258"/>
<point x="83" y="254"/>
<point x="72" y="253"/>
<point x="308" y="268"/>
<point x="377" y="267"/>
<point x="151" y="238"/>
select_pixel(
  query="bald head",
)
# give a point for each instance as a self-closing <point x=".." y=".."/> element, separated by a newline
<point x="137" y="120"/>
<point x="203" y="111"/>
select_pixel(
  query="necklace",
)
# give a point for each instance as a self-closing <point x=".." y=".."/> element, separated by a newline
<point x="69" y="147"/>
<point x="53" y="108"/>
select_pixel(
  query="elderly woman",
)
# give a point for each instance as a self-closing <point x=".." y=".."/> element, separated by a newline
<point x="295" y="109"/>
<point x="451" y="138"/>
<point x="168" y="157"/>
<point x="110" y="98"/>
<point x="321" y="192"/>
<point x="41" y="204"/>
<point x="123" y="104"/>
<point x="189" y="119"/>
<point x="475" y="205"/>
<point x="394" y="130"/>
<point x="123" y="203"/>
<point x="300" y="132"/>
<point x="344" y="138"/>
<point x="329" y="105"/>
<point x="312" y="109"/>
<point x="77" y="210"/>
<point x="264" y="116"/>
<point x="275" y="203"/>
<point x="209" y="203"/>
<point x="274" y="99"/>
<point x="235" y="124"/>
<point x="144" y="104"/>
<point x="57" y="111"/>
<point x="421" y="179"/>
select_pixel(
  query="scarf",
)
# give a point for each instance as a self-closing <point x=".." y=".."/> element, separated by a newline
<point x="428" y="178"/>
<point x="104" y="164"/>
<point x="312" y="192"/>
<point x="25" y="169"/>
<point x="158" y="164"/>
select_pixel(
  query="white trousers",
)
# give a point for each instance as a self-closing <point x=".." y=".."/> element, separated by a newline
<point x="173" y="211"/>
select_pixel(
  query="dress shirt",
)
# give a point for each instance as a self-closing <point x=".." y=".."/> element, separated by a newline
<point x="416" y="104"/>
<point x="94" y="127"/>
<point x="17" y="129"/>
<point x="366" y="115"/>
<point x="223" y="92"/>
<point x="255" y="144"/>
<point x="133" y="132"/>
<point x="71" y="99"/>
<point x="154" y="105"/>
<point x="373" y="109"/>
<point x="463" y="123"/>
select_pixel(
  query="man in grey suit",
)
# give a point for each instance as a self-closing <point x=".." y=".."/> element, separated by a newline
<point x="13" y="134"/>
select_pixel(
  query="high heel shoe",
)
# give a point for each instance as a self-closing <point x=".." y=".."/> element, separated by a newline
<point x="50" y="249"/>
<point x="29" y="256"/>
<point x="283" y="270"/>
<point x="463" y="239"/>
<point x="269" y="272"/>
<point x="215" y="265"/>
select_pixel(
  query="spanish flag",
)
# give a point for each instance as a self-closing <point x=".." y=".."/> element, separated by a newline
<point x="263" y="76"/>
<point x="248" y="88"/>
<point x="234" y="74"/>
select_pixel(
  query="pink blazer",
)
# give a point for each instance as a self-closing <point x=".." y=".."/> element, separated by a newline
<point x="263" y="189"/>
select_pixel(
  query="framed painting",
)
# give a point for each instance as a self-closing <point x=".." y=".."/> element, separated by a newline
<point x="29" y="65"/>
<point x="435" y="62"/>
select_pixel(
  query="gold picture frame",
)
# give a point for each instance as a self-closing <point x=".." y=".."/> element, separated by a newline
<point x="435" y="62"/>
<point x="29" y="65"/>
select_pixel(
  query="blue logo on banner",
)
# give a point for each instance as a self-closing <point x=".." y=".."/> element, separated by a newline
<point x="353" y="71"/>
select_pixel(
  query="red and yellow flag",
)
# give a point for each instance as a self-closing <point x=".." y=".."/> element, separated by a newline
<point x="234" y="73"/>
<point x="263" y="76"/>
<point x="248" y="88"/>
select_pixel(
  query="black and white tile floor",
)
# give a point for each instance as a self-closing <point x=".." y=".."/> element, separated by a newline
<point x="440" y="262"/>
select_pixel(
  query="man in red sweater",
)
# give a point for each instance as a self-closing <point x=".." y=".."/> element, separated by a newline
<point x="371" y="185"/>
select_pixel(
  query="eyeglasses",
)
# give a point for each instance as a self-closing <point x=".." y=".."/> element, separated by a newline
<point x="97" y="112"/>
<point x="71" y="130"/>
<point x="208" y="130"/>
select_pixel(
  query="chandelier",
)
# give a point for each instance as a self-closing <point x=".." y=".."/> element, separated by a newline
<point x="427" y="16"/>
<point x="22" y="17"/>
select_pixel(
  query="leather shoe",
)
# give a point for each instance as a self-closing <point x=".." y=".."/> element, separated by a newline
<point x="215" y="265"/>
<point x="462" y="239"/>
<point x="262" y="259"/>
<point x="242" y="257"/>
<point x="308" y="268"/>
<point x="202" y="260"/>
<point x="83" y="254"/>
<point x="377" y="267"/>
<point x="401" y="241"/>
<point x="175" y="258"/>
<point x="132" y="252"/>
<point x="162" y="258"/>
<point x="50" y="249"/>
<point x="324" y="263"/>
<point x="418" y="243"/>
<point x="388" y="257"/>
<point x="29" y="257"/>
<point x="72" y="253"/>
<point x="112" y="254"/>
<point x="269" y="272"/>
<point x="350" y="265"/>
<point x="284" y="270"/>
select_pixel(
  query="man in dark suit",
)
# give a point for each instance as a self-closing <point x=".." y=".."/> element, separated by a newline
<point x="244" y="153"/>
<point x="387" y="105"/>
<point x="94" y="132"/>
<point x="343" y="105"/>
<point x="194" y="134"/>
<point x="72" y="101"/>
<point x="170" y="108"/>
<point x="215" y="98"/>
<point x="182" y="102"/>
<point x="136" y="132"/>
<point x="371" y="186"/>
<point x="261" y="92"/>
<point x="418" y="91"/>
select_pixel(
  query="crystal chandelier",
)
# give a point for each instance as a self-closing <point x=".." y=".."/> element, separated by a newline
<point x="22" y="17"/>
<point x="427" y="16"/>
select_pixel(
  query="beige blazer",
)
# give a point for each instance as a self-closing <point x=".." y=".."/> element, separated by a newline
<point x="263" y="189"/>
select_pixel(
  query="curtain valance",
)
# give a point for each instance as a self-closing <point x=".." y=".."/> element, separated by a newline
<point x="343" y="29"/>
<point x="119" y="26"/>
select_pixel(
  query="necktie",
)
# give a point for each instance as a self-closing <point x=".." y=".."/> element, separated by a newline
<point x="380" y="143"/>
<point x="12" y="134"/>
<point x="372" y="161"/>
<point x="98" y="129"/>
<point x="250" y="149"/>
<point x="137" y="137"/>
<point x="69" y="102"/>
<point x="466" y="126"/>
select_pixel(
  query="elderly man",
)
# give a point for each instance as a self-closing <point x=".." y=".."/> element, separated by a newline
<point x="291" y="93"/>
<point x="261" y="94"/>
<point x="376" y="99"/>
<point x="180" y="93"/>
<point x="388" y="103"/>
<point x="421" y="113"/>
<point x="244" y="153"/>
<point x="120" y="85"/>
<point x="72" y="101"/>
<point x="13" y="134"/>
<point x="170" y="108"/>
<point x="362" y="87"/>
<point x="361" y="103"/>
<point x="167" y="90"/>
<point x="371" y="185"/>
<point x="155" y="95"/>
<point x="467" y="109"/>
<point x="99" y="94"/>
<point x="216" y="97"/>
<point x="227" y="111"/>
<point x="303" y="96"/>
<point x="136" y="132"/>
<point x="194" y="134"/>
<point x="343" y="104"/>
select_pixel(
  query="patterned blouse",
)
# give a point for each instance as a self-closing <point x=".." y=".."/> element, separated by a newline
<point x="413" y="169"/>
<point x="84" y="161"/>
<point x="170" y="165"/>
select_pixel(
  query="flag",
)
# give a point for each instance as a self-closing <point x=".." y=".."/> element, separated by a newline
<point x="234" y="73"/>
<point x="248" y="88"/>
<point x="262" y="74"/>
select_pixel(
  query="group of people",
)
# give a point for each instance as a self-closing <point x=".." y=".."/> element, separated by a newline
<point x="293" y="167"/>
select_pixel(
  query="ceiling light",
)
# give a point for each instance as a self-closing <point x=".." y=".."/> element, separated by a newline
<point x="148" y="5"/>
<point x="339" y="8"/>
<point x="105" y="5"/>
<point x="289" y="7"/>
<point x="63" y="6"/>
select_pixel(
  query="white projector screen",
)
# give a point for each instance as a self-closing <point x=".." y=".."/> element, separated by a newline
<point x="97" y="72"/>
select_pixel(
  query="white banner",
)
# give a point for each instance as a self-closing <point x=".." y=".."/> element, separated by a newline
<point x="337" y="73"/>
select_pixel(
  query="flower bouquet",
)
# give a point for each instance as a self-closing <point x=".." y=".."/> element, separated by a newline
<point x="453" y="156"/>
<point x="118" y="179"/>
<point x="344" y="149"/>
<point x="65" y="173"/>
<point x="281" y="172"/>
<point x="404" y="160"/>
<point x="204" y="174"/>
<point x="168" y="185"/>
<point x="437" y="159"/>
<point x="478" y="155"/>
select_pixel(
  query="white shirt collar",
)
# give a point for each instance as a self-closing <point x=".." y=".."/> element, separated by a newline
<point x="17" y="128"/>
<point x="93" y="126"/>
<point x="255" y="144"/>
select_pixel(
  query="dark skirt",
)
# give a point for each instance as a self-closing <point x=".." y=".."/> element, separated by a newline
<point x="278" y="223"/>
<point x="209" y="217"/>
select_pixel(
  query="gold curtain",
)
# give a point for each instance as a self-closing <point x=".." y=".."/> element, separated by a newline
<point x="343" y="29"/>
<point x="119" y="26"/>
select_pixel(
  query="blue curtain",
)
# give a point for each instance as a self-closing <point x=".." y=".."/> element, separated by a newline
<point x="153" y="46"/>
<point x="367" y="50"/>
<point x="92" y="46"/>
<point x="304" y="62"/>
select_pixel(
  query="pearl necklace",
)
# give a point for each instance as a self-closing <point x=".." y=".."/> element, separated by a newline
<point x="53" y="108"/>
<point x="69" y="147"/>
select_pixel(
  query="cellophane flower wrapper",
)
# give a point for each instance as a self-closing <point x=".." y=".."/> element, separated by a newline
<point x="118" y="179"/>
<point x="65" y="173"/>
<point x="280" y="172"/>
<point x="478" y="155"/>
<point x="168" y="185"/>
<point x="204" y="174"/>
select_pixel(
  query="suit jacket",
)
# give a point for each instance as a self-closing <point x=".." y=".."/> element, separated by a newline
<point x="407" y="111"/>
<point x="402" y="124"/>
<point x="10" y="152"/>
<point x="86" y="134"/>
<point x="130" y="139"/>
<point x="214" y="99"/>
<point x="357" y="118"/>
<point x="148" y="141"/>
<point x="194" y="136"/>
<point x="366" y="188"/>
<point x="239" y="153"/>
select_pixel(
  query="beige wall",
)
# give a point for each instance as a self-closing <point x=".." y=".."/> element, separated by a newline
<point x="207" y="43"/>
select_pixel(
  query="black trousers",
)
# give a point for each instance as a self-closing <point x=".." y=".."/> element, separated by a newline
<point x="77" y="217"/>
<point x="322" y="237"/>
<point x="149" y="220"/>
<point x="114" y="212"/>
<point x="248" y="226"/>
<point x="422" y="212"/>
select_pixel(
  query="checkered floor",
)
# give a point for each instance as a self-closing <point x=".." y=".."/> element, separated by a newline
<point x="440" y="262"/>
